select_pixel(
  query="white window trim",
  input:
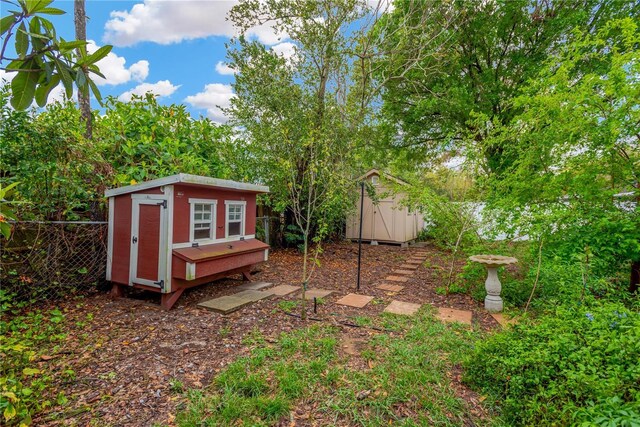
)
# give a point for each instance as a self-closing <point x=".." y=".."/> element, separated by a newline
<point x="375" y="180"/>
<point x="214" y="207"/>
<point x="243" y="220"/>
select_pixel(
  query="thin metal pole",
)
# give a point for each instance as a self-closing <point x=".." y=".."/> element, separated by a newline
<point x="360" y="235"/>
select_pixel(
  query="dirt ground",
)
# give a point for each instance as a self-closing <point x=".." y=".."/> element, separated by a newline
<point x="127" y="353"/>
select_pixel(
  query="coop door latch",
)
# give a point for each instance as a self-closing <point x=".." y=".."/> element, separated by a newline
<point x="163" y="204"/>
<point x="159" y="283"/>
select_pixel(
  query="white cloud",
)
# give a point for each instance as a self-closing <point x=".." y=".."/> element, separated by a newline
<point x="287" y="50"/>
<point x="214" y="97"/>
<point x="58" y="94"/>
<point x="114" y="68"/>
<point x="455" y="162"/>
<point x="224" y="69"/>
<point x="380" y="6"/>
<point x="168" y="22"/>
<point x="5" y="77"/>
<point x="139" y="70"/>
<point x="160" y="89"/>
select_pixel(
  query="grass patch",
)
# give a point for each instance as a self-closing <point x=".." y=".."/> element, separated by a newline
<point x="288" y="305"/>
<point x="407" y="383"/>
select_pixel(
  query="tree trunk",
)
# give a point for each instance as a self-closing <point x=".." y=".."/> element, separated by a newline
<point x="80" y="20"/>
<point x="634" y="282"/>
<point x="634" y="279"/>
<point x="304" y="277"/>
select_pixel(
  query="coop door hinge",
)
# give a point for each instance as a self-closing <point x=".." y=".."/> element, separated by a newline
<point x="160" y="283"/>
<point x="163" y="204"/>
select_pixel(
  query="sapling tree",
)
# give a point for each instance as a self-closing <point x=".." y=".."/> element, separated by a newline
<point x="292" y="113"/>
<point x="307" y="118"/>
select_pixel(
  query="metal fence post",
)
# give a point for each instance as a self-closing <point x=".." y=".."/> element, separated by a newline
<point x="265" y="225"/>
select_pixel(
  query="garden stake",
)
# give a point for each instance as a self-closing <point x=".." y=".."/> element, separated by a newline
<point x="360" y="234"/>
<point x="315" y="305"/>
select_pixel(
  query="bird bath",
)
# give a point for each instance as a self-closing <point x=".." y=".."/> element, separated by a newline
<point x="493" y="302"/>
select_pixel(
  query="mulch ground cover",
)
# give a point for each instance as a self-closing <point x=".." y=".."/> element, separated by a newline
<point x="131" y="358"/>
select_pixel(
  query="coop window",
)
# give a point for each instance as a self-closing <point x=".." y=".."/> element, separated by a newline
<point x="375" y="180"/>
<point x="235" y="218"/>
<point x="203" y="219"/>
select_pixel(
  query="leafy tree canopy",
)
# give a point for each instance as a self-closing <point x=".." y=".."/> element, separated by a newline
<point x="481" y="56"/>
<point x="43" y="59"/>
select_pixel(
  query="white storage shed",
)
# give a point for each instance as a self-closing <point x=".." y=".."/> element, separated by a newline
<point x="385" y="219"/>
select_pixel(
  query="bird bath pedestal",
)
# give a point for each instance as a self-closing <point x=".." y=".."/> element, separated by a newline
<point x="493" y="302"/>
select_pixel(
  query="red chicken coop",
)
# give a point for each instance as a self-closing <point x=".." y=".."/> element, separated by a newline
<point x="169" y="234"/>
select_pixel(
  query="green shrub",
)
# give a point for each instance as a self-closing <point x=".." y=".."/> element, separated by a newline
<point x="579" y="366"/>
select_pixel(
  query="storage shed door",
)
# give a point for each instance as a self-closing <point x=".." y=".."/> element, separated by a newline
<point x="383" y="221"/>
<point x="148" y="238"/>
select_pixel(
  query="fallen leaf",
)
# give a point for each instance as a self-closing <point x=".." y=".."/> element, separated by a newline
<point x="363" y="394"/>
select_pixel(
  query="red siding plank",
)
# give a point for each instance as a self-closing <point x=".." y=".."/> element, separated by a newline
<point x="182" y="209"/>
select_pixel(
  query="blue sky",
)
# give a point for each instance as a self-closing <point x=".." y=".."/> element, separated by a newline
<point x="175" y="49"/>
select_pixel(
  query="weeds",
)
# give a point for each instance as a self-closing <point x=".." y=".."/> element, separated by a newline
<point x="27" y="340"/>
<point x="407" y="383"/>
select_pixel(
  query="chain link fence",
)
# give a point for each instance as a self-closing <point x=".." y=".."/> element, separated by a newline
<point x="49" y="260"/>
<point x="270" y="229"/>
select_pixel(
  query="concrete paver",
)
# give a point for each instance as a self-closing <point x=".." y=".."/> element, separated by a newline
<point x="404" y="308"/>
<point x="391" y="288"/>
<point x="453" y="315"/>
<point x="316" y="293"/>
<point x="396" y="278"/>
<point x="284" y="290"/>
<point x="231" y="303"/>
<point x="252" y="286"/>
<point x="355" y="300"/>
<point x="405" y="272"/>
<point x="503" y="321"/>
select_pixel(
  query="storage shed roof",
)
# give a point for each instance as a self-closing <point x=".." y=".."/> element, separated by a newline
<point x="186" y="178"/>
<point x="384" y="174"/>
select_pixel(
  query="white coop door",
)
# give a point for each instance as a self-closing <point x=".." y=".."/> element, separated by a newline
<point x="148" y="260"/>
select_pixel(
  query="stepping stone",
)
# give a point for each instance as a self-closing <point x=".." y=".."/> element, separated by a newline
<point x="316" y="293"/>
<point x="504" y="322"/>
<point x="413" y="261"/>
<point x="284" y="290"/>
<point x="453" y="315"/>
<point x="407" y="272"/>
<point x="355" y="300"/>
<point x="231" y="303"/>
<point x="391" y="288"/>
<point x="400" y="307"/>
<point x="253" y="286"/>
<point x="409" y="266"/>
<point x="397" y="278"/>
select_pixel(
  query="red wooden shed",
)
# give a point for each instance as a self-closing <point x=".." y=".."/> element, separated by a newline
<point x="173" y="233"/>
